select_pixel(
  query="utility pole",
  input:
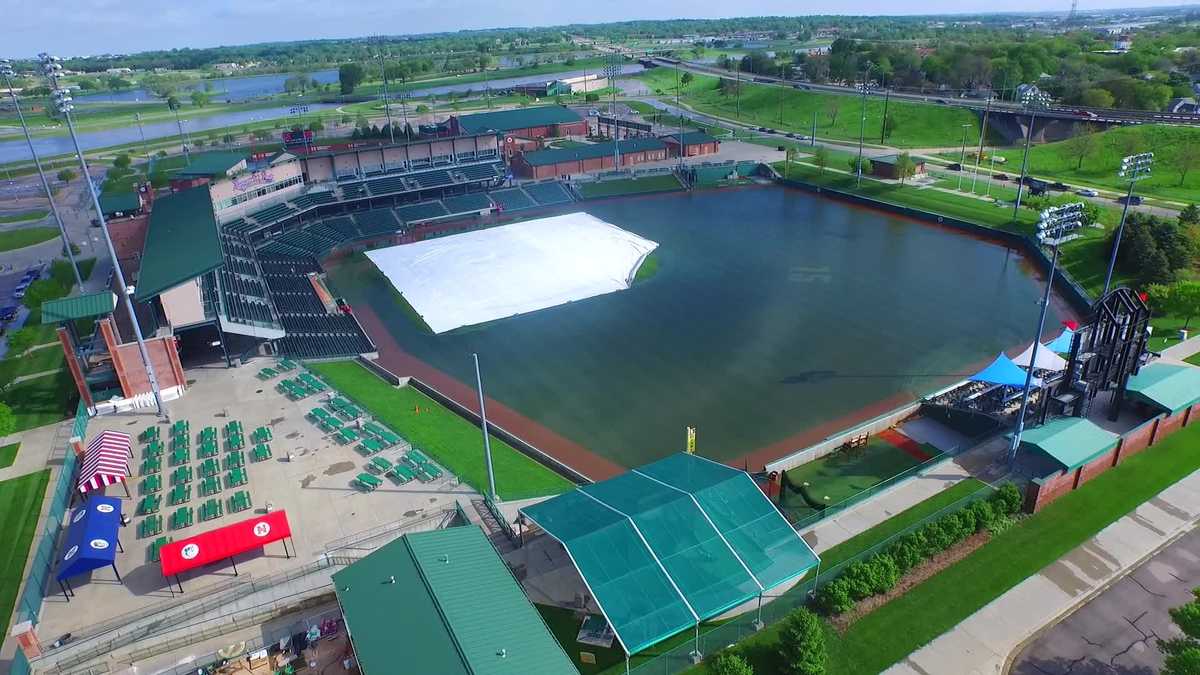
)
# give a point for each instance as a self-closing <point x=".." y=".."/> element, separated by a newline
<point x="737" y="86"/>
<point x="1032" y="99"/>
<point x="887" y="92"/>
<point x="780" y="88"/>
<point x="62" y="99"/>
<point x="1134" y="168"/>
<point x="7" y="71"/>
<point x="813" y="139"/>
<point x="142" y="132"/>
<point x="982" y="133"/>
<point x="962" y="155"/>
<point x="1054" y="222"/>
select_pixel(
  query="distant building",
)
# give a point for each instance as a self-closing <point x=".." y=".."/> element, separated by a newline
<point x="691" y="144"/>
<point x="226" y="67"/>
<point x="118" y="71"/>
<point x="1123" y="43"/>
<point x="587" y="158"/>
<point x="1183" y="106"/>
<point x="537" y="122"/>
<point x="885" y="166"/>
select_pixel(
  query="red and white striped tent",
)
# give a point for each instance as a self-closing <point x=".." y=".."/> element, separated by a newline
<point x="106" y="460"/>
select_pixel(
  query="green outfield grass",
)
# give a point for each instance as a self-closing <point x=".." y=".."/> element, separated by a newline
<point x="1057" y="161"/>
<point x="451" y="440"/>
<point x="629" y="186"/>
<point x="862" y="541"/>
<point x="916" y="124"/>
<point x="905" y="624"/>
<point x="8" y="454"/>
<point x="36" y="214"/>
<point x="647" y="269"/>
<point x="1194" y="359"/>
<point x="36" y="361"/>
<point x="41" y="400"/>
<point x="10" y="240"/>
<point x="20" y="506"/>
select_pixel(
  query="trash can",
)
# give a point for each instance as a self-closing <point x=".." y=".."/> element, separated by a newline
<point x="1182" y="334"/>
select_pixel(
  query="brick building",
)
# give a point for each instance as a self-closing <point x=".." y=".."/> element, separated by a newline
<point x="587" y="158"/>
<point x="538" y="122"/>
<point x="691" y="144"/>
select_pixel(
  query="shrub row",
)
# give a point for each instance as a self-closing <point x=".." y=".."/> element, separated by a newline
<point x="880" y="573"/>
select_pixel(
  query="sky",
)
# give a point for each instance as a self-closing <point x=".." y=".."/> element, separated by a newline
<point x="82" y="27"/>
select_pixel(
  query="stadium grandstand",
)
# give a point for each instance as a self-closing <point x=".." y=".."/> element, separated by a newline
<point x="671" y="544"/>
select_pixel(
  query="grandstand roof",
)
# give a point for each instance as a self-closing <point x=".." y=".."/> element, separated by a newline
<point x="691" y="138"/>
<point x="78" y="307"/>
<point x="544" y="157"/>
<point x="112" y="202"/>
<point x="1070" y="441"/>
<point x="1170" y="388"/>
<point x="517" y="118"/>
<point x="209" y="164"/>
<point x="443" y="602"/>
<point x="673" y="543"/>
<point x="181" y="242"/>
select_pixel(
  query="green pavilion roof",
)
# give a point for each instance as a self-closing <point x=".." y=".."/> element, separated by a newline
<point x="517" y="118"/>
<point x="209" y="164"/>
<point x="1070" y="441"/>
<point x="1166" y="386"/>
<point x="692" y="137"/>
<point x="124" y="202"/>
<point x="181" y="242"/>
<point x="443" y="602"/>
<point x="545" y="157"/>
<point x="78" y="307"/>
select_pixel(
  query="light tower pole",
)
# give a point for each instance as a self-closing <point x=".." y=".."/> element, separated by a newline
<point x="387" y="108"/>
<point x="1032" y="99"/>
<point x="7" y="71"/>
<point x="483" y="424"/>
<point x="962" y="155"/>
<point x="1133" y="168"/>
<point x="862" y="124"/>
<point x="62" y="99"/>
<point x="1054" y="222"/>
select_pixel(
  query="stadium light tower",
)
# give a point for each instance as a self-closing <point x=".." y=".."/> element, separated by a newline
<point x="62" y="101"/>
<point x="7" y="71"/>
<point x="1053" y="223"/>
<point x="862" y="123"/>
<point x="483" y="424"/>
<point x="1133" y="168"/>
<point x="1032" y="99"/>
<point x="611" y="71"/>
<point x="387" y="108"/>
<point x="962" y="155"/>
<point x="987" y="110"/>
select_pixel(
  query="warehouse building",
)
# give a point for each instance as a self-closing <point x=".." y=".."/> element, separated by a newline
<point x="691" y="144"/>
<point x="587" y="158"/>
<point x="540" y="122"/>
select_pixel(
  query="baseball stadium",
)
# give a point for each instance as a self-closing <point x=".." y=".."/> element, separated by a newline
<point x="681" y="365"/>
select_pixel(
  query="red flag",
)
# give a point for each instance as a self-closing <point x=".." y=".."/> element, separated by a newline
<point x="1071" y="323"/>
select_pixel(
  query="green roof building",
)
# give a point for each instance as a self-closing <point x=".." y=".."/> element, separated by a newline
<point x="120" y="203"/>
<point x="444" y="602"/>
<point x="536" y="122"/>
<point x="212" y="165"/>
<point x="181" y="242"/>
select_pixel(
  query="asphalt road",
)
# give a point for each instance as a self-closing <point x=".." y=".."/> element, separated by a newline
<point x="1116" y="632"/>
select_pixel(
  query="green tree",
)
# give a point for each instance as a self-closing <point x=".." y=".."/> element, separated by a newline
<point x="227" y="139"/>
<point x="67" y="175"/>
<point x="802" y="643"/>
<point x="159" y="179"/>
<point x="173" y="102"/>
<point x="833" y="108"/>
<point x="889" y="126"/>
<point x="350" y="75"/>
<point x="1183" y="653"/>
<point x="686" y="78"/>
<point x="261" y="134"/>
<point x="728" y="663"/>
<point x="1082" y="144"/>
<point x="1096" y="98"/>
<point x="1179" y="299"/>
<point x="821" y="157"/>
<point x="1190" y="215"/>
<point x="8" y="421"/>
<point x="199" y="99"/>
<point x="1185" y="158"/>
<point x="789" y="156"/>
<point x="122" y="161"/>
<point x="117" y="83"/>
<point x="42" y="290"/>
<point x="316" y="125"/>
<point x="20" y="340"/>
<point x="905" y="167"/>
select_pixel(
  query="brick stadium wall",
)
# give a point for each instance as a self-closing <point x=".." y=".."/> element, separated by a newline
<point x="1042" y="491"/>
<point x="1096" y="466"/>
<point x="1137" y="439"/>
<point x="1169" y="425"/>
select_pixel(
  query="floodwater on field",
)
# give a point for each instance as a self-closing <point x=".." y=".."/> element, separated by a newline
<point x="774" y="313"/>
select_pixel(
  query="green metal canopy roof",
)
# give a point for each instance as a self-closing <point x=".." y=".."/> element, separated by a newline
<point x="692" y="137"/>
<point x="125" y="202"/>
<point x="544" y="157"/>
<point x="444" y="602"/>
<point x="78" y="307"/>
<point x="1166" y="386"/>
<point x="181" y="242"/>
<point x="1070" y="441"/>
<point x="517" y="118"/>
<point x="209" y="164"/>
<point x="673" y="543"/>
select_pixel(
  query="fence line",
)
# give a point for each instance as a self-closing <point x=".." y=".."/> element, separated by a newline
<point x="777" y="607"/>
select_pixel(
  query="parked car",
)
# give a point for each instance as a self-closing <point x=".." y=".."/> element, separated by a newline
<point x="955" y="167"/>
<point x="1087" y="192"/>
<point x="8" y="313"/>
<point x="790" y="135"/>
<point x="1060" y="187"/>
<point x="1133" y="200"/>
<point x="941" y="101"/>
<point x="33" y="273"/>
<point x="763" y="129"/>
<point x="1001" y="176"/>
<point x="19" y="292"/>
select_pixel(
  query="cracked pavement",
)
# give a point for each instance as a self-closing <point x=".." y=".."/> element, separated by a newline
<point x="1116" y="632"/>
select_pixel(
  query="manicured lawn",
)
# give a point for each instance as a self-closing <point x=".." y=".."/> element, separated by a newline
<point x="40" y="401"/>
<point x="451" y="440"/>
<point x="8" y="454"/>
<point x="1194" y="359"/>
<point x="1166" y="331"/>
<point x="36" y="214"/>
<point x="20" y="506"/>
<point x="647" y="269"/>
<point x="629" y="186"/>
<point x="26" y="236"/>
<point x="865" y="540"/>
<point x="916" y="124"/>
<point x="36" y="361"/>
<point x="841" y="475"/>
<point x="1056" y="160"/>
<point x="565" y="626"/>
<point x="902" y="626"/>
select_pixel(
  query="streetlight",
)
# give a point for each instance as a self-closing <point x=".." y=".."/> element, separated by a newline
<point x="1053" y="223"/>
<point x="1031" y="99"/>
<point x="1133" y="168"/>
<point x="62" y="101"/>
<point x="962" y="155"/>
<point x="979" y="154"/>
<point x="7" y="71"/>
<point x="387" y="108"/>
<point x="179" y="124"/>
<point x="862" y="123"/>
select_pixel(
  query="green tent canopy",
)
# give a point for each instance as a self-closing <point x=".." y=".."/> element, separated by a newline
<point x="1166" y="386"/>
<point x="1070" y="441"/>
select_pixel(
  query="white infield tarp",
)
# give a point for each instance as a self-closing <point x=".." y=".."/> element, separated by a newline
<point x="470" y="278"/>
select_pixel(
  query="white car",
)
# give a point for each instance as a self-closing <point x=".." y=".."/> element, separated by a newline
<point x="1087" y="192"/>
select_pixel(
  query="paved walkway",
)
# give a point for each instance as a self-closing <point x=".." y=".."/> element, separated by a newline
<point x="1181" y="350"/>
<point x="984" y="642"/>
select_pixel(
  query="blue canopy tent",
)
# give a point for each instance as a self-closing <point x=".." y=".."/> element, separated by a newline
<point x="91" y="541"/>
<point x="1003" y="371"/>
<point x="1062" y="343"/>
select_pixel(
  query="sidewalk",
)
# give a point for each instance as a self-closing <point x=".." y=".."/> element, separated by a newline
<point x="984" y="642"/>
<point x="1181" y="350"/>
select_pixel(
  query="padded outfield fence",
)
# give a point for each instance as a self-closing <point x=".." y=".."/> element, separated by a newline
<point x="718" y="637"/>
